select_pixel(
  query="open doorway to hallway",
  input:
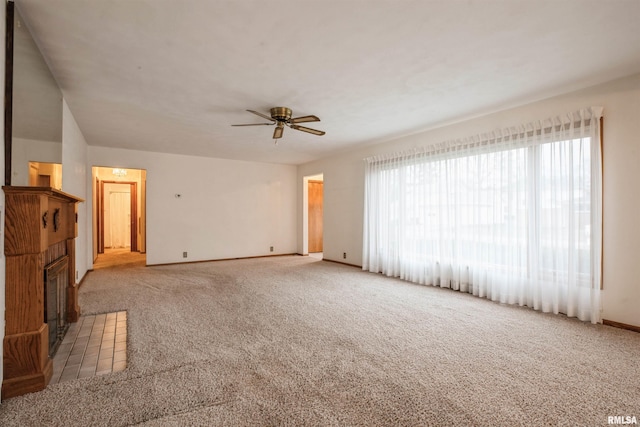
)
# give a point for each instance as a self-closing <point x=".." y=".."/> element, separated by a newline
<point x="119" y="217"/>
<point x="313" y="209"/>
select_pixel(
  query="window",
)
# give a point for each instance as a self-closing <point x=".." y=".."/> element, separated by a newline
<point x="510" y="217"/>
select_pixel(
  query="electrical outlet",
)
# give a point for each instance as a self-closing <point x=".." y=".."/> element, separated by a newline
<point x="344" y="255"/>
<point x="271" y="249"/>
<point x="184" y="254"/>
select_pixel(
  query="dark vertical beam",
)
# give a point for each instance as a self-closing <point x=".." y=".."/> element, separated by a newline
<point x="8" y="93"/>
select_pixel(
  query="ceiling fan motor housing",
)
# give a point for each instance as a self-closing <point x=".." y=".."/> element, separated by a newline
<point x="281" y="114"/>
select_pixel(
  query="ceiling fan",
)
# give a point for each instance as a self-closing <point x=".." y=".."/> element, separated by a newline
<point x="281" y="117"/>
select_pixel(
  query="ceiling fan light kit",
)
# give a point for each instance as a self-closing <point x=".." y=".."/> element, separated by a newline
<point x="281" y="117"/>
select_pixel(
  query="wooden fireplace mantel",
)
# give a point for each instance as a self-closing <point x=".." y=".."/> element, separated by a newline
<point x="40" y="228"/>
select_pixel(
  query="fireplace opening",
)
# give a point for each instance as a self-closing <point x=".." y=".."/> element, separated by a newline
<point x="56" y="277"/>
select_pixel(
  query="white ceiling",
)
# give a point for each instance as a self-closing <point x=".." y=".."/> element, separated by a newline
<point x="172" y="76"/>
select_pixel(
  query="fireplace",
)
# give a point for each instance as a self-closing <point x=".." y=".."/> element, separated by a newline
<point x="41" y="293"/>
<point x="55" y="302"/>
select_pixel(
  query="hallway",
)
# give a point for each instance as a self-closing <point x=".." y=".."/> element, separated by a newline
<point x="119" y="258"/>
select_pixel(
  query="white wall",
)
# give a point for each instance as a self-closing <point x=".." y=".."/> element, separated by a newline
<point x="344" y="184"/>
<point x="226" y="208"/>
<point x="343" y="198"/>
<point x="74" y="181"/>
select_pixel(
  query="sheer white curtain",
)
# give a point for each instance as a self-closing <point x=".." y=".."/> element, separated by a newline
<point x="119" y="219"/>
<point x="514" y="216"/>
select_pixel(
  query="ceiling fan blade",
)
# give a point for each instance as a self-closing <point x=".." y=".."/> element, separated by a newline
<point x="256" y="124"/>
<point x="277" y="132"/>
<point x="304" y="119"/>
<point x="264" y="116"/>
<point x="308" y="130"/>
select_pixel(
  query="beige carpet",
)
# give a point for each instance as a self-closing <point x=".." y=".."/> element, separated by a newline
<point x="297" y="341"/>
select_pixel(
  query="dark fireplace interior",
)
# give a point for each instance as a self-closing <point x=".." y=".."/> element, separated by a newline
<point x="56" y="276"/>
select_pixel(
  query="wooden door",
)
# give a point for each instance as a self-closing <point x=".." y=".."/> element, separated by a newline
<point x="33" y="175"/>
<point x="315" y="216"/>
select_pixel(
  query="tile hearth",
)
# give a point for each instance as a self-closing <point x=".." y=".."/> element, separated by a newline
<point x="95" y="345"/>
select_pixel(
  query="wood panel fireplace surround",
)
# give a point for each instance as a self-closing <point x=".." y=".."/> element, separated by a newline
<point x="41" y="291"/>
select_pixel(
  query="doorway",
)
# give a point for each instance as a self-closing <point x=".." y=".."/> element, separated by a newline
<point x="314" y="209"/>
<point x="43" y="174"/>
<point x="119" y="231"/>
<point x="119" y="217"/>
